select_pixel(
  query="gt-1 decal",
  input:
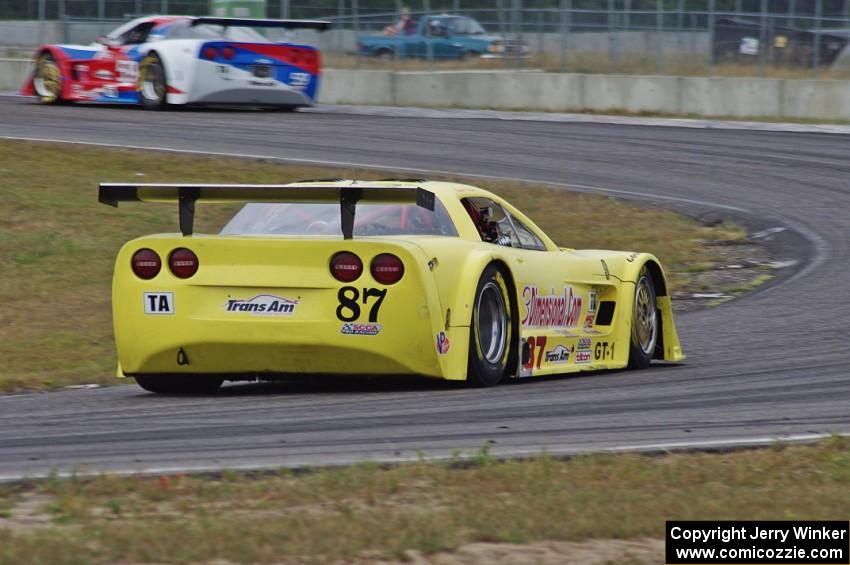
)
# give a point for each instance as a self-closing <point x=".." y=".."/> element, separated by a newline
<point x="551" y="310"/>
<point x="603" y="350"/>
<point x="159" y="303"/>
<point x="349" y="308"/>
<point x="263" y="305"/>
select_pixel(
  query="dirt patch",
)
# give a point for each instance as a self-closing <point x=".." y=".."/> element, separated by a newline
<point x="591" y="552"/>
<point x="740" y="266"/>
<point x="28" y="512"/>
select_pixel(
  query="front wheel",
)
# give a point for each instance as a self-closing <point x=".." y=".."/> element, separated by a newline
<point x="644" y="334"/>
<point x="490" y="330"/>
<point x="47" y="80"/>
<point x="153" y="83"/>
<point x="179" y="384"/>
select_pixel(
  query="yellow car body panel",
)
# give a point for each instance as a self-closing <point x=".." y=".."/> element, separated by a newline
<point x="261" y="306"/>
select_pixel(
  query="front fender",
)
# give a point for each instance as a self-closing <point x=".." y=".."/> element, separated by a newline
<point x="633" y="264"/>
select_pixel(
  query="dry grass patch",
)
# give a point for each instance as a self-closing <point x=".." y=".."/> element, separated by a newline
<point x="366" y="510"/>
<point x="58" y="244"/>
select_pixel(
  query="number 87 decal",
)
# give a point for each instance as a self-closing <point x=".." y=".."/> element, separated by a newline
<point x="533" y="343"/>
<point x="349" y="308"/>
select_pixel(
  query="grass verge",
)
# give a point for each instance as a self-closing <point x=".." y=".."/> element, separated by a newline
<point x="58" y="244"/>
<point x="366" y="512"/>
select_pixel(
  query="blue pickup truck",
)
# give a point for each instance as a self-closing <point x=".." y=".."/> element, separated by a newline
<point x="450" y="37"/>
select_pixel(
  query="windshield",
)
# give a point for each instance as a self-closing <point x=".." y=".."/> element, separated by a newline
<point x="466" y="26"/>
<point x="324" y="219"/>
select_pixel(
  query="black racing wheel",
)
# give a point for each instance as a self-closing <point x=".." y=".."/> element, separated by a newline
<point x="153" y="83"/>
<point x="644" y="334"/>
<point x="47" y="79"/>
<point x="490" y="330"/>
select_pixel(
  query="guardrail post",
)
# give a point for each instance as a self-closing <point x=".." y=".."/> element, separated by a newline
<point x="680" y="16"/>
<point x="711" y="9"/>
<point x="659" y="36"/>
<point x="611" y="38"/>
<point x="500" y="10"/>
<point x="429" y="45"/>
<point x="163" y="6"/>
<point x="818" y="26"/>
<point x="284" y="9"/>
<point x="101" y="9"/>
<point x="540" y="33"/>
<point x="565" y="13"/>
<point x="762" y="38"/>
<point x="516" y="18"/>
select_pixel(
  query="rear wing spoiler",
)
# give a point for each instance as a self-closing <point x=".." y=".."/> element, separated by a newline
<point x="186" y="195"/>
<point x="320" y="25"/>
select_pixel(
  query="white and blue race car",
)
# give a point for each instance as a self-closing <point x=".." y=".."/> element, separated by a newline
<point x="160" y="60"/>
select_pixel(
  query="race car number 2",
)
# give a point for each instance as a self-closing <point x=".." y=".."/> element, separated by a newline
<point x="350" y="298"/>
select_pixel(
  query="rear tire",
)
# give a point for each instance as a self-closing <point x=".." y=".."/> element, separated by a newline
<point x="490" y="330"/>
<point x="179" y="384"/>
<point x="47" y="79"/>
<point x="645" y="322"/>
<point x="153" y="83"/>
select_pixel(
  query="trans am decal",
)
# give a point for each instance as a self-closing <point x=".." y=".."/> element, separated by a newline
<point x="263" y="305"/>
<point x="560" y="354"/>
<point x="551" y="310"/>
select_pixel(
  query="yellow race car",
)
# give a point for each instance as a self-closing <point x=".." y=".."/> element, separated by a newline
<point x="374" y="278"/>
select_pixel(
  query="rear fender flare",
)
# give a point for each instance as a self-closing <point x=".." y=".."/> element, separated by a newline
<point x="669" y="347"/>
<point x="461" y="303"/>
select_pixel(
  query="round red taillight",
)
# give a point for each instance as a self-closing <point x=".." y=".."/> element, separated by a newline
<point x="210" y="53"/>
<point x="387" y="268"/>
<point x="346" y="266"/>
<point x="183" y="263"/>
<point x="146" y="263"/>
<point x="228" y="52"/>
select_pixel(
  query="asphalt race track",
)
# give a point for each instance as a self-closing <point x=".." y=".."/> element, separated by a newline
<point x="773" y="364"/>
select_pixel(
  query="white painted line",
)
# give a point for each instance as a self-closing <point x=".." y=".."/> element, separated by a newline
<point x="573" y="118"/>
<point x="564" y="452"/>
